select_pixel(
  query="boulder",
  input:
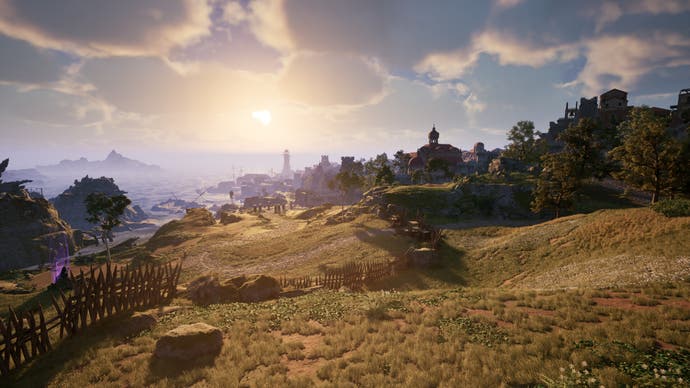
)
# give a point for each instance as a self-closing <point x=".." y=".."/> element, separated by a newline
<point x="137" y="323"/>
<point x="188" y="342"/>
<point x="259" y="288"/>
<point x="206" y="290"/>
<point x="229" y="218"/>
<point x="422" y="257"/>
<point x="199" y="216"/>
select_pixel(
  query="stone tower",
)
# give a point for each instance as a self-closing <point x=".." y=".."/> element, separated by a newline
<point x="433" y="135"/>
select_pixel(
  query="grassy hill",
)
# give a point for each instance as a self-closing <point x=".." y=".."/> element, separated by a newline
<point x="589" y="299"/>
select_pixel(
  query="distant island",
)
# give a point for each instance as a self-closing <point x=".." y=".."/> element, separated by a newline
<point x="114" y="162"/>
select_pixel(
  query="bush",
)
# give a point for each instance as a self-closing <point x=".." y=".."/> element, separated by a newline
<point x="673" y="207"/>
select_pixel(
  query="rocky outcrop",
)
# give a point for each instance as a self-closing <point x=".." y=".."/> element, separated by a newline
<point x="70" y="204"/>
<point x="208" y="289"/>
<point x="189" y="342"/>
<point x="259" y="288"/>
<point x="28" y="226"/>
<point x="229" y="218"/>
<point x="178" y="231"/>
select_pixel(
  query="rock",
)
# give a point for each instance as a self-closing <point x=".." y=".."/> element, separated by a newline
<point x="188" y="342"/>
<point x="137" y="323"/>
<point x="229" y="218"/>
<point x="199" y="217"/>
<point x="27" y="228"/>
<point x="259" y="288"/>
<point x="70" y="204"/>
<point x="206" y="290"/>
<point x="422" y="257"/>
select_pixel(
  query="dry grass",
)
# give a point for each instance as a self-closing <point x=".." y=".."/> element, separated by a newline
<point x="421" y="338"/>
<point x="548" y="304"/>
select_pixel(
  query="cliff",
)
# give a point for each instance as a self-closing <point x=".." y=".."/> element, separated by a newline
<point x="27" y="226"/>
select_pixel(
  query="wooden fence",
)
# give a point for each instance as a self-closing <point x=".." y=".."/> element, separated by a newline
<point x="95" y="295"/>
<point x="352" y="275"/>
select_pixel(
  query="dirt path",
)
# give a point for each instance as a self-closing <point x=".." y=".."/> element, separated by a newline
<point x="274" y="228"/>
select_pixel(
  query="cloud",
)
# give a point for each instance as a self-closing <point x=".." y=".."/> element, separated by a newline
<point x="635" y="56"/>
<point x="505" y="4"/>
<point x="269" y="24"/>
<point x="150" y="86"/>
<point x="331" y="79"/>
<point x="50" y="107"/>
<point x="106" y="28"/>
<point x="610" y="11"/>
<point x="505" y="47"/>
<point x="234" y="13"/>
<point x="473" y="104"/>
<point x="378" y="29"/>
<point x="21" y="62"/>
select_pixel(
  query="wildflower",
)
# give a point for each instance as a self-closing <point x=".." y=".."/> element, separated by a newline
<point x="561" y="369"/>
<point x="644" y="366"/>
<point x="591" y="380"/>
<point x="584" y="364"/>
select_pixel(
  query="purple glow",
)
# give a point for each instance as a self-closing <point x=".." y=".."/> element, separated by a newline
<point x="58" y="254"/>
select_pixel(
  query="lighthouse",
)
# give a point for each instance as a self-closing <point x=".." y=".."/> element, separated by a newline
<point x="287" y="172"/>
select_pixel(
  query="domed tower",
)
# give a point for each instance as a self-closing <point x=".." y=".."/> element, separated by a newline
<point x="433" y="135"/>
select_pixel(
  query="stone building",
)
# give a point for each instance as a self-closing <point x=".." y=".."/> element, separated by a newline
<point x="477" y="159"/>
<point x="613" y="108"/>
<point x="434" y="150"/>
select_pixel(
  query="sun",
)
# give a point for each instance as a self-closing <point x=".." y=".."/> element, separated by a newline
<point x="262" y="116"/>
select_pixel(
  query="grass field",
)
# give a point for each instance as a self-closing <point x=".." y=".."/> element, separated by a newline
<point x="586" y="300"/>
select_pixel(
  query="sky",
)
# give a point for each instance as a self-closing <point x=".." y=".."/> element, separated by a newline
<point x="179" y="82"/>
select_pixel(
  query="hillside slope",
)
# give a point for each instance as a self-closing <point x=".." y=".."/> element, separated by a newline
<point x="601" y="249"/>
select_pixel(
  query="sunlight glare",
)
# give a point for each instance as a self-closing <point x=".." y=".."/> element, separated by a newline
<point x="262" y="116"/>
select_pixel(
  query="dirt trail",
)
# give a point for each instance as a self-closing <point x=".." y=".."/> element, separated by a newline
<point x="275" y="227"/>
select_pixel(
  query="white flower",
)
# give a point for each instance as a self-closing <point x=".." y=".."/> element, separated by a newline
<point x="584" y="364"/>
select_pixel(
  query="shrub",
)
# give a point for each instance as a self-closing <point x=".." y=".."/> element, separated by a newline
<point x="673" y="207"/>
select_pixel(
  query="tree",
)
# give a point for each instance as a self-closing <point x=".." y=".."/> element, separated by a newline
<point x="436" y="165"/>
<point x="232" y="196"/>
<point x="346" y="182"/>
<point x="385" y="176"/>
<point x="525" y="143"/>
<point x="10" y="186"/>
<point x="557" y="184"/>
<point x="373" y="168"/>
<point x="649" y="157"/>
<point x="401" y="160"/>
<point x="105" y="211"/>
<point x="584" y="149"/>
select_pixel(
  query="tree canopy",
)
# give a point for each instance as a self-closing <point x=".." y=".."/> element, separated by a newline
<point x="525" y="143"/>
<point x="649" y="156"/>
<point x="105" y="211"/>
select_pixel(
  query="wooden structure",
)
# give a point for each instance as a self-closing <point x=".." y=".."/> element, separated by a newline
<point x="95" y="295"/>
<point x="352" y="275"/>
